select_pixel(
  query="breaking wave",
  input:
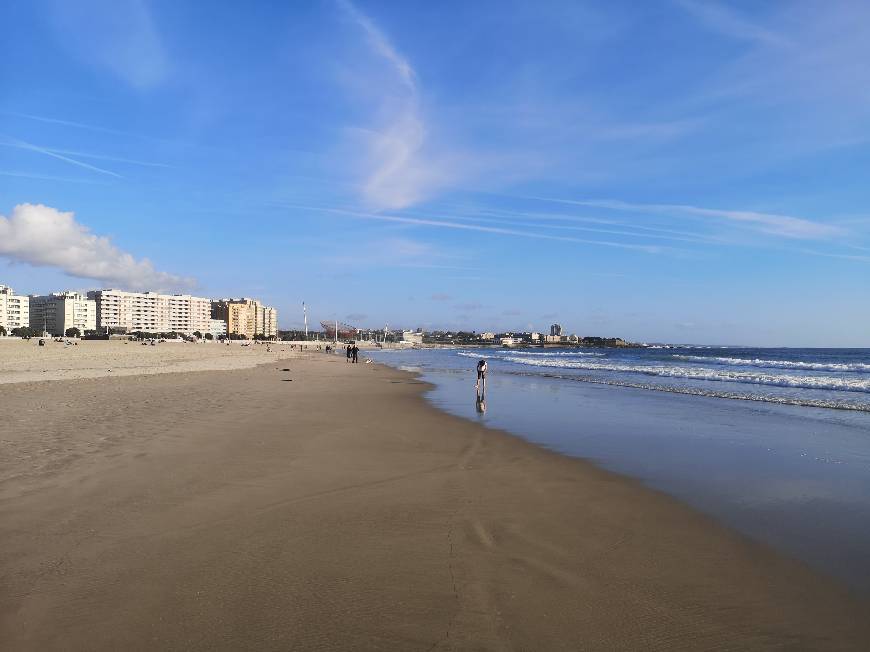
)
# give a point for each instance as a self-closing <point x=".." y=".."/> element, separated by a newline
<point x="834" y="404"/>
<point x="715" y="375"/>
<point x="500" y="353"/>
<point x="851" y="367"/>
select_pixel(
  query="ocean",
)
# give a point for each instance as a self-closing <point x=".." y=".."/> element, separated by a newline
<point x="772" y="442"/>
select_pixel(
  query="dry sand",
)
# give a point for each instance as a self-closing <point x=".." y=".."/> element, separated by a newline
<point x="235" y="510"/>
<point x="23" y="361"/>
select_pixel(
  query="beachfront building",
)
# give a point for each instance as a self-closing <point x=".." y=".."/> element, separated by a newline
<point x="412" y="337"/>
<point x="14" y="309"/>
<point x="246" y="317"/>
<point x="555" y="330"/>
<point x="151" y="312"/>
<point x="217" y="327"/>
<point x="55" y="313"/>
<point x="487" y="336"/>
<point x="270" y="321"/>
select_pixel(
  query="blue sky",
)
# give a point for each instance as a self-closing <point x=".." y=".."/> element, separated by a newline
<point x="662" y="171"/>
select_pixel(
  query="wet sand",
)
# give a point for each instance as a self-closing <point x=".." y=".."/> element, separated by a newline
<point x="330" y="507"/>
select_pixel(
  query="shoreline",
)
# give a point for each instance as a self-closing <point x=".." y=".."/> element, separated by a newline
<point x="306" y="514"/>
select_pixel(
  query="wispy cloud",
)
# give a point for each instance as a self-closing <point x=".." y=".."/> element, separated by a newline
<point x="46" y="237"/>
<point x="630" y="230"/>
<point x="824" y="254"/>
<point x="381" y="44"/>
<point x="105" y="157"/>
<point x="101" y="130"/>
<point x="728" y="22"/>
<point x="47" y="177"/>
<point x="397" y="252"/>
<point x="771" y="223"/>
<point x="399" y="170"/>
<point x="20" y="144"/>
<point x="66" y="123"/>
<point x="443" y="224"/>
<point x="121" y="37"/>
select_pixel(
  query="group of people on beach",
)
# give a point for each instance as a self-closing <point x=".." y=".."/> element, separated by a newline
<point x="352" y="352"/>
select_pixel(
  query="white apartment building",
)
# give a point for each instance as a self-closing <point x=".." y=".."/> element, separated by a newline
<point x="217" y="327"/>
<point x="14" y="309"/>
<point x="151" y="312"/>
<point x="55" y="313"/>
<point x="269" y="321"/>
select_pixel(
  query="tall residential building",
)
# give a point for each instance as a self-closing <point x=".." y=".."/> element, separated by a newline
<point x="246" y="317"/>
<point x="555" y="330"/>
<point x="14" y="309"/>
<point x="55" y="313"/>
<point x="217" y="327"/>
<point x="151" y="312"/>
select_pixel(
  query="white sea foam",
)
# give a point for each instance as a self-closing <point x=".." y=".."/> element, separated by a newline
<point x="836" y="404"/>
<point x="574" y="354"/>
<point x="501" y="353"/>
<point x="854" y="367"/>
<point x="704" y="374"/>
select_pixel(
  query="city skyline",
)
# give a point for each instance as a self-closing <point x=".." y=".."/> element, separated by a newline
<point x="672" y="172"/>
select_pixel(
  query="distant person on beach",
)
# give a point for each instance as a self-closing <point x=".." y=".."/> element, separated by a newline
<point x="481" y="374"/>
<point x="355" y="352"/>
<point x="349" y="352"/>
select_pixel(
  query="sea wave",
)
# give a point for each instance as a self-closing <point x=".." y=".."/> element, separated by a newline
<point x="849" y="367"/>
<point x="714" y="375"/>
<point x="834" y="404"/>
<point x="500" y="353"/>
<point x="574" y="354"/>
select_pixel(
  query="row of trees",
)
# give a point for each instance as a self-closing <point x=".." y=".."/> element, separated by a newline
<point x="27" y="331"/>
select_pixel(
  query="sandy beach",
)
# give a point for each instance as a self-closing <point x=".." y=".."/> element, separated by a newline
<point x="306" y="503"/>
<point x="24" y="361"/>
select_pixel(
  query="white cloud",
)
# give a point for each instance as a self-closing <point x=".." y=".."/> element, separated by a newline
<point x="46" y="237"/>
<point x="400" y="169"/>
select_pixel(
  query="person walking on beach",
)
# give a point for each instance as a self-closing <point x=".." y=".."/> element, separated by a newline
<point x="349" y="350"/>
<point x="481" y="375"/>
<point x="355" y="352"/>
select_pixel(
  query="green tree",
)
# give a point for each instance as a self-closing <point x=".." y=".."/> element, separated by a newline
<point x="197" y="335"/>
<point x="73" y="332"/>
<point x="2" y="331"/>
<point x="209" y="336"/>
<point x="23" y="331"/>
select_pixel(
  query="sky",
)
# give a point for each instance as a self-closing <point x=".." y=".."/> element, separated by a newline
<point x="665" y="171"/>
